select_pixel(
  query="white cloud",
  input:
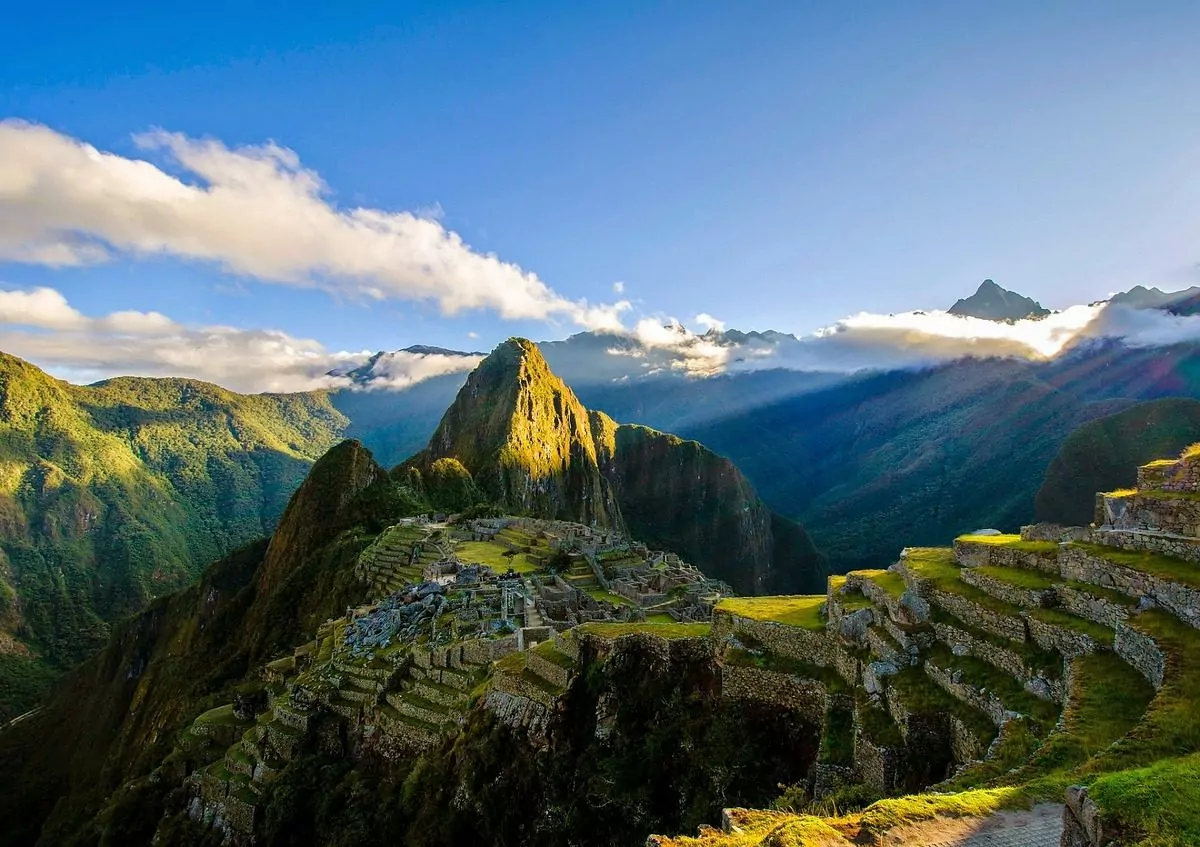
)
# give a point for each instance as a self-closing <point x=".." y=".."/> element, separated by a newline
<point x="869" y="341"/>
<point x="707" y="321"/>
<point x="473" y="335"/>
<point x="41" y="326"/>
<point x="254" y="211"/>
<point x="618" y="287"/>
<point x="402" y="368"/>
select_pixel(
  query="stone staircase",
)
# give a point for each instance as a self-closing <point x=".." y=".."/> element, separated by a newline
<point x="580" y="574"/>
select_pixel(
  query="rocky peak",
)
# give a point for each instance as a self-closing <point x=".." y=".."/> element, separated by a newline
<point x="993" y="303"/>
<point x="525" y="438"/>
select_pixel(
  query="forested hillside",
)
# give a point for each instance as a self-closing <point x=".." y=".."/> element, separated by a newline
<point x="116" y="493"/>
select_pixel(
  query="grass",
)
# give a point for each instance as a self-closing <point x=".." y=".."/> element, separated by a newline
<point x="783" y="664"/>
<point x="1011" y="540"/>
<point x="1099" y="633"/>
<point x="852" y="601"/>
<point x="660" y="617"/>
<point x="220" y="715"/>
<point x="876" y="724"/>
<point x="981" y="675"/>
<point x="1107" y="700"/>
<point x="889" y="581"/>
<point x="888" y="814"/>
<point x="607" y="596"/>
<point x="553" y="655"/>
<point x="495" y="556"/>
<point x="1019" y="577"/>
<point x="661" y="630"/>
<point x="1160" y="803"/>
<point x="921" y="695"/>
<point x="756" y="827"/>
<point x="1113" y="596"/>
<point x="802" y="610"/>
<point x="1155" y="564"/>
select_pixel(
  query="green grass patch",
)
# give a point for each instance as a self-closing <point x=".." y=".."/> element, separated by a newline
<point x="921" y="695"/>
<point x="837" y="737"/>
<point x="659" y="617"/>
<point x="1155" y="564"/>
<point x="607" y="596"/>
<point x="798" y="610"/>
<point x="494" y="555"/>
<point x="769" y="661"/>
<point x="1099" y="633"/>
<point x="1107" y="700"/>
<point x="876" y="724"/>
<point x="889" y="581"/>
<point x="548" y="651"/>
<point x="660" y="630"/>
<point x="220" y="715"/>
<point x="1158" y="805"/>
<point x="981" y="675"/>
<point x="1011" y="540"/>
<point x="888" y="814"/>
<point x="852" y="601"/>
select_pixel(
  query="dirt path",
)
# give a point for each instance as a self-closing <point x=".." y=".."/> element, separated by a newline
<point x="1040" y="826"/>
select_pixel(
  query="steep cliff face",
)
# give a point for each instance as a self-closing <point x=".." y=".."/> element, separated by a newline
<point x="681" y="496"/>
<point x="525" y="439"/>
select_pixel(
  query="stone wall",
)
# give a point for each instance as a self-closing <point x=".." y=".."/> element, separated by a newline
<point x="875" y="766"/>
<point x="1183" y="475"/>
<point x="1180" y="600"/>
<point x="1069" y="642"/>
<point x="972" y="614"/>
<point x="547" y="670"/>
<point x="1083" y="825"/>
<point x="829" y="779"/>
<point x="1085" y="605"/>
<point x="1009" y="661"/>
<point x="1141" y="651"/>
<point x="965" y="745"/>
<point x="519" y="712"/>
<point x="1052" y="532"/>
<point x="815" y="647"/>
<point x="1008" y="592"/>
<point x="983" y="700"/>
<point x="518" y="686"/>
<point x="971" y="554"/>
<point x="1177" y="546"/>
<point x="787" y="691"/>
<point x="1177" y="514"/>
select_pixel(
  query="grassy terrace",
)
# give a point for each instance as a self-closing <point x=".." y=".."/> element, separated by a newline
<point x="889" y="581"/>
<point x="607" y="596"/>
<point x="782" y="664"/>
<point x="922" y="695"/>
<point x="1119" y="598"/>
<point x="1014" y="541"/>
<point x="661" y="630"/>
<point x="1057" y="617"/>
<point x="979" y="674"/>
<point x="938" y="565"/>
<point x="494" y="555"/>
<point x="801" y="610"/>
<point x="551" y="654"/>
<point x="1155" y="564"/>
<point x="1018" y="577"/>
<point x="1049" y="662"/>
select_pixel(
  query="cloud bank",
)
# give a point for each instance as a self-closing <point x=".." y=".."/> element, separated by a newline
<point x="869" y="341"/>
<point x="41" y="326"/>
<point x="253" y="211"/>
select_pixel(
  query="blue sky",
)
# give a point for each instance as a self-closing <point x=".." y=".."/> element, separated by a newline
<point x="777" y="165"/>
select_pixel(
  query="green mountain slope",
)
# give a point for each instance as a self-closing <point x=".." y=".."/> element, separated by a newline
<point x="118" y="713"/>
<point x="1104" y="455"/>
<point x="119" y="492"/>
<point x="911" y="457"/>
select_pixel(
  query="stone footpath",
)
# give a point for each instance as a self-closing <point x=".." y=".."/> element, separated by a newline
<point x="1040" y="826"/>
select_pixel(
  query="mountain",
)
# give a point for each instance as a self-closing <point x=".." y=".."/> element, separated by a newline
<point x="525" y="439"/>
<point x="118" y="713"/>
<point x="119" y="492"/>
<point x="1141" y="297"/>
<point x="993" y="303"/>
<point x="521" y="436"/>
<point x="1104" y="455"/>
<point x="962" y="445"/>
